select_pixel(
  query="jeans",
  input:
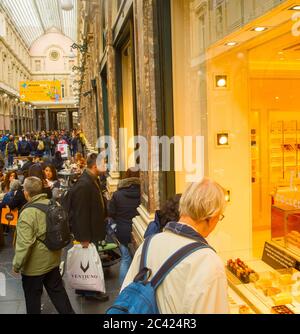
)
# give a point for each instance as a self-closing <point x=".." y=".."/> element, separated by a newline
<point x="10" y="160"/>
<point x="52" y="281"/>
<point x="126" y="260"/>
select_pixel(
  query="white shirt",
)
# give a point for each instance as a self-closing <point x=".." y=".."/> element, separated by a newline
<point x="197" y="285"/>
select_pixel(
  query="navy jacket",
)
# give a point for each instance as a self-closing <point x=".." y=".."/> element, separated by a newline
<point x="123" y="207"/>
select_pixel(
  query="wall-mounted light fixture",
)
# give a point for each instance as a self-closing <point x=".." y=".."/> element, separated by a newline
<point x="77" y="68"/>
<point x="80" y="82"/>
<point x="221" y="81"/>
<point x="82" y="48"/>
<point x="223" y="139"/>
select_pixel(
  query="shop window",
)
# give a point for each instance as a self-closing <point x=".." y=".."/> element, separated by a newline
<point x="188" y="81"/>
<point x="37" y="66"/>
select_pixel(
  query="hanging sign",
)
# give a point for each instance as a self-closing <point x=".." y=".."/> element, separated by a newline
<point x="34" y="91"/>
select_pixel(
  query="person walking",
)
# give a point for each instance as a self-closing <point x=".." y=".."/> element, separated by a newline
<point x="11" y="151"/>
<point x="88" y="212"/>
<point x="122" y="208"/>
<point x="38" y="265"/>
<point x="198" y="284"/>
<point x="24" y="147"/>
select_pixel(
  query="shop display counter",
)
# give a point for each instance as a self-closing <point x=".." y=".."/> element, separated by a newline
<point x="269" y="291"/>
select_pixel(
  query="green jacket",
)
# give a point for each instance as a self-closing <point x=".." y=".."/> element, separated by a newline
<point x="32" y="257"/>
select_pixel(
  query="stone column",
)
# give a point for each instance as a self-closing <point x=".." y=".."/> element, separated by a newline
<point x="35" y="112"/>
<point x="18" y="122"/>
<point x="39" y="122"/>
<point x="47" y="119"/>
<point x="113" y="180"/>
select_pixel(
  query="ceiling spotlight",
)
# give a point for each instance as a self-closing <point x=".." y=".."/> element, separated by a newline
<point x="16" y="100"/>
<point x="259" y="29"/>
<point x="66" y="5"/>
<point x="297" y="7"/>
<point x="231" y="44"/>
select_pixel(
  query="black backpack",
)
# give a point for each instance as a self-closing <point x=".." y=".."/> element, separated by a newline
<point x="11" y="148"/>
<point x="58" y="234"/>
<point x="24" y="148"/>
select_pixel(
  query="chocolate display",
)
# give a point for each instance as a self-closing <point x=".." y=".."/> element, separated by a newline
<point x="282" y="309"/>
<point x="242" y="271"/>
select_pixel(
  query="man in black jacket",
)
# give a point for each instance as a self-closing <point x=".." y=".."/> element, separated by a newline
<point x="88" y="211"/>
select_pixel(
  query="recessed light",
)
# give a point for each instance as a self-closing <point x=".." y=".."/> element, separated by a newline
<point x="297" y="7"/>
<point x="260" y="29"/>
<point x="223" y="139"/>
<point x="231" y="43"/>
<point x="221" y="81"/>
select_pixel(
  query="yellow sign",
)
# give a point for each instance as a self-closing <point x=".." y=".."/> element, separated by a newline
<point x="33" y="91"/>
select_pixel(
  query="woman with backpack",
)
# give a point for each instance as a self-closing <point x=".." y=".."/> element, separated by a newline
<point x="40" y="148"/>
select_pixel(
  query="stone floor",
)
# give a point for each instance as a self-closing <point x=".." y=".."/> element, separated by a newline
<point x="14" y="302"/>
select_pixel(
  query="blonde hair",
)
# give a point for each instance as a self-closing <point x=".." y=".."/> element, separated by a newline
<point x="202" y="200"/>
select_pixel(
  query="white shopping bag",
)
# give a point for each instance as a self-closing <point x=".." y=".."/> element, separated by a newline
<point x="84" y="269"/>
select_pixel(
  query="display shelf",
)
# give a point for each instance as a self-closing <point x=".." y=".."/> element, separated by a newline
<point x="255" y="298"/>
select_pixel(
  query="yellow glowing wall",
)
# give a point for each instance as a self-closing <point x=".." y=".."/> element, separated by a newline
<point x="228" y="111"/>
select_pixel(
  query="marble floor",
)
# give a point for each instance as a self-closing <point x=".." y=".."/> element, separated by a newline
<point x="14" y="303"/>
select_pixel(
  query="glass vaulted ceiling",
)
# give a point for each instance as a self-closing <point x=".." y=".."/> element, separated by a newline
<point x="33" y="18"/>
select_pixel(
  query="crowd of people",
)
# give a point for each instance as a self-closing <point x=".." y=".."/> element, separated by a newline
<point x="41" y="144"/>
<point x="198" y="285"/>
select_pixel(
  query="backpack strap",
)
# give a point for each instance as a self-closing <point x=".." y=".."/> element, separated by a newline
<point x="141" y="276"/>
<point x="39" y="206"/>
<point x="174" y="260"/>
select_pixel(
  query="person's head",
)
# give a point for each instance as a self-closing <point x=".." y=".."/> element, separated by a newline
<point x="14" y="185"/>
<point x="78" y="156"/>
<point x="13" y="176"/>
<point x="58" y="155"/>
<point x="96" y="165"/>
<point x="33" y="186"/>
<point x="170" y="211"/>
<point x="132" y="172"/>
<point x="50" y="172"/>
<point x="36" y="170"/>
<point x="202" y="206"/>
<point x="11" y="138"/>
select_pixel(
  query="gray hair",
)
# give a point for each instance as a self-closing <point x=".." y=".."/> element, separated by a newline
<point x="14" y="185"/>
<point x="33" y="186"/>
<point x="203" y="200"/>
